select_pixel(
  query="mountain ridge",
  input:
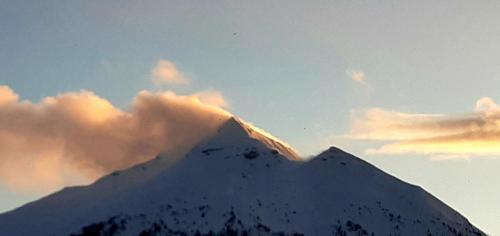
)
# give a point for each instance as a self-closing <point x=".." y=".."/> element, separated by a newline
<point x="242" y="182"/>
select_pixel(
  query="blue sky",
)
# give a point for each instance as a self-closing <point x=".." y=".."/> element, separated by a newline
<point x="283" y="65"/>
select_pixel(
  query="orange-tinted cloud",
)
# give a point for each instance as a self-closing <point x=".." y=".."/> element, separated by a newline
<point x="439" y="135"/>
<point x="212" y="97"/>
<point x="166" y="72"/>
<point x="7" y="95"/>
<point x="76" y="137"/>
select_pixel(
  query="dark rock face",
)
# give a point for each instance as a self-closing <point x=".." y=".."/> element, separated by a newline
<point x="252" y="154"/>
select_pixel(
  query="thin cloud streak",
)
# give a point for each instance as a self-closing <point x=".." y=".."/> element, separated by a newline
<point x="438" y="135"/>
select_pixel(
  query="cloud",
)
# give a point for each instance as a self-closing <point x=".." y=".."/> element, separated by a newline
<point x="77" y="137"/>
<point x="166" y="72"/>
<point x="487" y="105"/>
<point x="212" y="97"/>
<point x="356" y="75"/>
<point x="439" y="135"/>
<point x="7" y="96"/>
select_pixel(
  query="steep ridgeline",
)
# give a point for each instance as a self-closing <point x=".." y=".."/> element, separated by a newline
<point x="241" y="182"/>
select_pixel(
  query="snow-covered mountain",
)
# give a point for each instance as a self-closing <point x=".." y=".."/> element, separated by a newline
<point x="241" y="182"/>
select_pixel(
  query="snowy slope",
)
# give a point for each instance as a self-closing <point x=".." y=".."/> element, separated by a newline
<point x="241" y="181"/>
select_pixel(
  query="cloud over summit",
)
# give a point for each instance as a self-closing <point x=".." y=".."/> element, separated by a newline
<point x="78" y="136"/>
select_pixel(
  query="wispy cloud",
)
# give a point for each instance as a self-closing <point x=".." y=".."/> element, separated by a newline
<point x="442" y="136"/>
<point x="79" y="136"/>
<point x="166" y="72"/>
<point x="356" y="75"/>
<point x="212" y="97"/>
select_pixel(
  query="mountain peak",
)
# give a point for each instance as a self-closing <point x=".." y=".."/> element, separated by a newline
<point x="235" y="130"/>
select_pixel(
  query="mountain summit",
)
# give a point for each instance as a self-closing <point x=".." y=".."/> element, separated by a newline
<point x="241" y="181"/>
<point x="236" y="130"/>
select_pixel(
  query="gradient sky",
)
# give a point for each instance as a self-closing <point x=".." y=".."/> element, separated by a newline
<point x="306" y="71"/>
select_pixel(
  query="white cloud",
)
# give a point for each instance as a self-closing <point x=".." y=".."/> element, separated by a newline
<point x="166" y="72"/>
<point x="487" y="105"/>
